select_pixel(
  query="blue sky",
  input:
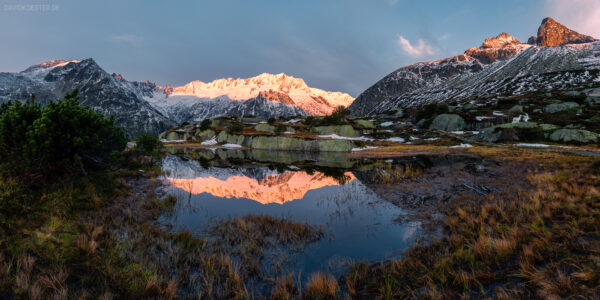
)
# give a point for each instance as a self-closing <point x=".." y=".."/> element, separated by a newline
<point x="341" y="45"/>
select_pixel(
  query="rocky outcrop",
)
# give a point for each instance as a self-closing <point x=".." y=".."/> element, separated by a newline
<point x="500" y="47"/>
<point x="553" y="34"/>
<point x="275" y="96"/>
<point x="448" y="122"/>
<point x="285" y="143"/>
<point x="574" y="136"/>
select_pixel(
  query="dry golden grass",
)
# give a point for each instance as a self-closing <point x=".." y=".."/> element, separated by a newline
<point x="321" y="286"/>
<point x="538" y="243"/>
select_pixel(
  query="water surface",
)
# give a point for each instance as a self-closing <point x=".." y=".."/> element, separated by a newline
<point x="358" y="225"/>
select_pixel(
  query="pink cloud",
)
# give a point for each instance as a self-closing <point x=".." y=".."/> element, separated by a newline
<point x="421" y="48"/>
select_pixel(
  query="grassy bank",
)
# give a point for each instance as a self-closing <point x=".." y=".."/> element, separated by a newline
<point x="542" y="242"/>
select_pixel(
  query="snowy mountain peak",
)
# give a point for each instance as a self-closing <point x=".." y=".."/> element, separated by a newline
<point x="502" y="40"/>
<point x="553" y="34"/>
<point x="311" y="100"/>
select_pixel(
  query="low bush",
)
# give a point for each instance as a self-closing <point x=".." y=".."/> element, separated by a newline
<point x="280" y="128"/>
<point x="337" y="117"/>
<point x="148" y="143"/>
<point x="205" y="124"/>
<point x="236" y="127"/>
<point x="431" y="110"/>
<point x="62" y="138"/>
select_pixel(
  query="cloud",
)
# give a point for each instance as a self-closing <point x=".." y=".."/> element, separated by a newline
<point x="582" y="16"/>
<point x="420" y="49"/>
<point x="127" y="38"/>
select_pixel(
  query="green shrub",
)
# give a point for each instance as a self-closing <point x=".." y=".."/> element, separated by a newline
<point x="337" y="117"/>
<point x="310" y="121"/>
<point x="271" y="121"/>
<point x="236" y="127"/>
<point x="61" y="138"/>
<point x="205" y="124"/>
<point x="148" y="143"/>
<point x="280" y="128"/>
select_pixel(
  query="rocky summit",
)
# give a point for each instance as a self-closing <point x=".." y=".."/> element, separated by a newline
<point x="558" y="59"/>
<point x="553" y="34"/>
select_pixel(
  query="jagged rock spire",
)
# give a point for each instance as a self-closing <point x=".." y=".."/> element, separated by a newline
<point x="553" y="34"/>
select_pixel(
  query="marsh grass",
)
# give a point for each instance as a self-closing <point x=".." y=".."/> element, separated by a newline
<point x="255" y="232"/>
<point x="537" y="243"/>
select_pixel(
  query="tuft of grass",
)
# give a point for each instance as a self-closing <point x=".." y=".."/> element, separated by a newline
<point x="321" y="286"/>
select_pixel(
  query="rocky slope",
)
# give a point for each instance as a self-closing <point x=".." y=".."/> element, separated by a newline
<point x="501" y="66"/>
<point x="97" y="89"/>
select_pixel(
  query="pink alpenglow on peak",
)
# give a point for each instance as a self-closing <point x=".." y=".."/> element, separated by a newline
<point x="313" y="101"/>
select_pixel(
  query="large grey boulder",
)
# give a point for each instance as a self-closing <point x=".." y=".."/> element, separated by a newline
<point x="574" y="135"/>
<point x="558" y="107"/>
<point x="448" y="122"/>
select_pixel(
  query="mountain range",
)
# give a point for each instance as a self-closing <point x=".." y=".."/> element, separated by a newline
<point x="557" y="59"/>
<point x="147" y="107"/>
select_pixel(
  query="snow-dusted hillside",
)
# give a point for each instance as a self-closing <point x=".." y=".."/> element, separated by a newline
<point x="502" y="66"/>
<point x="97" y="89"/>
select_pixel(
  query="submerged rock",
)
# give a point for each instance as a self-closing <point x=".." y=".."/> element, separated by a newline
<point x="448" y="122"/>
<point x="574" y="135"/>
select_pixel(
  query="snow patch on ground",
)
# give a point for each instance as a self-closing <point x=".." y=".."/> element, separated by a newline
<point x="231" y="146"/>
<point x="386" y="124"/>
<point x="337" y="137"/>
<point x="363" y="149"/>
<point x="521" y="118"/>
<point x="481" y="118"/>
<point x="210" y="142"/>
<point x="395" y="139"/>
<point x="462" y="146"/>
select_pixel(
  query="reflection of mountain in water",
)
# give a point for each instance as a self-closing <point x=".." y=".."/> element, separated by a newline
<point x="258" y="184"/>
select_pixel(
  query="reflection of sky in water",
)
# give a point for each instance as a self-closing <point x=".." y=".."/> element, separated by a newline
<point x="358" y="225"/>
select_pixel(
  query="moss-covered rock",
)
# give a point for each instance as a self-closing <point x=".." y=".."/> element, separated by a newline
<point x="341" y="130"/>
<point x="225" y="138"/>
<point x="335" y="145"/>
<point x="297" y="144"/>
<point x="174" y="136"/>
<point x="516" y="131"/>
<point x="365" y="124"/>
<point x="205" y="134"/>
<point x="574" y="135"/>
<point x="265" y="128"/>
<point x="448" y="122"/>
<point x="558" y="107"/>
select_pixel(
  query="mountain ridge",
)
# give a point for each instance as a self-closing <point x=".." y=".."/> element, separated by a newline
<point x="501" y="66"/>
<point x="147" y="107"/>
